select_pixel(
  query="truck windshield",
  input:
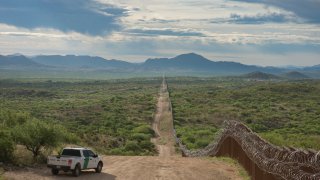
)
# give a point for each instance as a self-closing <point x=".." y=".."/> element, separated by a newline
<point x="71" y="152"/>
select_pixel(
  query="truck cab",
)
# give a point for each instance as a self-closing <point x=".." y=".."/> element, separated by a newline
<point x="75" y="160"/>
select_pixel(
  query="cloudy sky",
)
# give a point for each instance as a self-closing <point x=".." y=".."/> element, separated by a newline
<point x="260" y="32"/>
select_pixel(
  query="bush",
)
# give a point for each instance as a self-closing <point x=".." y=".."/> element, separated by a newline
<point x="140" y="137"/>
<point x="145" y="129"/>
<point x="116" y="151"/>
<point x="132" y="146"/>
<point x="202" y="143"/>
<point x="36" y="134"/>
<point x="147" y="145"/>
<point x="195" y="137"/>
<point x="6" y="146"/>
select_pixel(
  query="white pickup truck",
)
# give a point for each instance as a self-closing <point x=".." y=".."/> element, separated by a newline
<point x="75" y="160"/>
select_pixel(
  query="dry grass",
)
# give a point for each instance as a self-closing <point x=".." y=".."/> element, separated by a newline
<point x="1" y="173"/>
<point x="22" y="156"/>
<point x="166" y="122"/>
<point x="241" y="171"/>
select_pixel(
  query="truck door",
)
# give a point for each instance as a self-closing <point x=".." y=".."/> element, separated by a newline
<point x="93" y="161"/>
<point x="86" y="159"/>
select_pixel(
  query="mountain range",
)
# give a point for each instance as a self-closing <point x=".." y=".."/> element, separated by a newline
<point x="184" y="64"/>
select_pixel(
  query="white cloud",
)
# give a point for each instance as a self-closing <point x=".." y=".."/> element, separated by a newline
<point x="165" y="28"/>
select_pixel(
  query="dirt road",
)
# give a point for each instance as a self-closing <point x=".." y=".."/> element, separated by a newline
<point x="163" y="124"/>
<point x="168" y="165"/>
<point x="141" y="168"/>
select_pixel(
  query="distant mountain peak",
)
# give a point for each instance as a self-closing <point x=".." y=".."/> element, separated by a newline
<point x="17" y="60"/>
<point x="190" y="56"/>
<point x="15" y="54"/>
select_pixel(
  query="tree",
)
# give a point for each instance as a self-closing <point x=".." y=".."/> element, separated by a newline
<point x="35" y="135"/>
<point x="6" y="146"/>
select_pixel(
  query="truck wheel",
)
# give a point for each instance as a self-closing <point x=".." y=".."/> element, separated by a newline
<point x="54" y="171"/>
<point x="76" y="171"/>
<point x="99" y="167"/>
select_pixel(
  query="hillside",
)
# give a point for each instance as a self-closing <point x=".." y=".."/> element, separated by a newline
<point x="260" y="76"/>
<point x="17" y="61"/>
<point x="312" y="68"/>
<point x="185" y="61"/>
<point x="72" y="61"/>
<point x="196" y="63"/>
<point x="294" y="75"/>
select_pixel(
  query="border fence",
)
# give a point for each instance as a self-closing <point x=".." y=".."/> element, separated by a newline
<point x="262" y="160"/>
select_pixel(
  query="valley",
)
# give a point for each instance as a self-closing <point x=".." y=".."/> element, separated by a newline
<point x="167" y="165"/>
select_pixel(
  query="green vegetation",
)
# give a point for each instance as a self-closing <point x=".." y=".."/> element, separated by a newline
<point x="283" y="112"/>
<point x="111" y="116"/>
<point x="196" y="137"/>
<point x="6" y="146"/>
<point x="242" y="172"/>
<point x="114" y="116"/>
<point x="36" y="135"/>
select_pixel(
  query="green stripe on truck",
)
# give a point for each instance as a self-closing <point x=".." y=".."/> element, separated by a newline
<point x="86" y="162"/>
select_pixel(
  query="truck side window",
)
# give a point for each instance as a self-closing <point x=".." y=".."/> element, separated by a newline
<point x="86" y="153"/>
<point x="91" y="154"/>
<point x="71" y="152"/>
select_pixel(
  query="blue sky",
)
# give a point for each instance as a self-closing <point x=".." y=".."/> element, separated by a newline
<point x="260" y="32"/>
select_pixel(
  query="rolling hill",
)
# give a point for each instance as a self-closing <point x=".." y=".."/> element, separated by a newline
<point x="17" y="61"/>
<point x="257" y="75"/>
<point x="312" y="68"/>
<point x="76" y="62"/>
<point x="295" y="75"/>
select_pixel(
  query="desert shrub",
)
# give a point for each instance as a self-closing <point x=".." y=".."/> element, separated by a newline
<point x="195" y="137"/>
<point x="283" y="112"/>
<point x="36" y="134"/>
<point x="132" y="146"/>
<point x="295" y="140"/>
<point x="202" y="143"/>
<point x="145" y="129"/>
<point x="140" y="137"/>
<point x="146" y="144"/>
<point x="6" y="146"/>
<point x="100" y="114"/>
<point x="10" y="118"/>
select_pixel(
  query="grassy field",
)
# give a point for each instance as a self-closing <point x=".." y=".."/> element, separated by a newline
<point x="111" y="116"/>
<point x="286" y="113"/>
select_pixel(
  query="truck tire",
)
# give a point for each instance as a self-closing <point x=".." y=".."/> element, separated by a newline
<point x="99" y="167"/>
<point x="77" y="170"/>
<point x="55" y="171"/>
